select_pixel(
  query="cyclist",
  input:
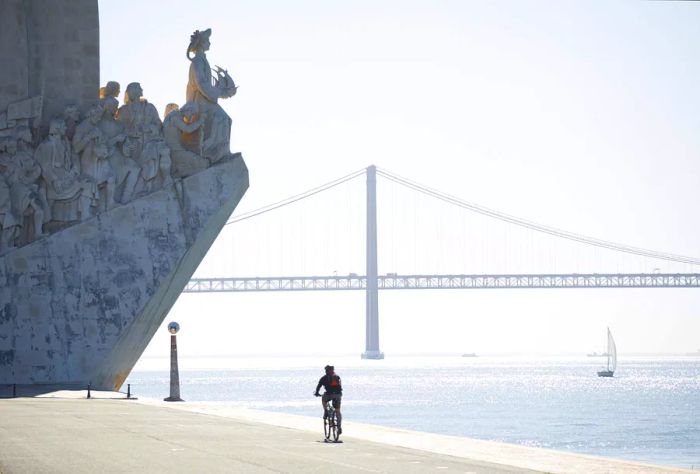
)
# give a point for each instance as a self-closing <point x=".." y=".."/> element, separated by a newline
<point x="334" y="392"/>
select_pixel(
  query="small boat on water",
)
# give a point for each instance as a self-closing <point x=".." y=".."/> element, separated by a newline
<point x="471" y="354"/>
<point x="597" y="354"/>
<point x="612" y="358"/>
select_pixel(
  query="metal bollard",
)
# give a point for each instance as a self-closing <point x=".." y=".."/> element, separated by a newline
<point x="88" y="390"/>
<point x="14" y="390"/>
<point x="128" y="390"/>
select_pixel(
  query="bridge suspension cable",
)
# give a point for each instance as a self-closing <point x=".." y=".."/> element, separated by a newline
<point x="297" y="197"/>
<point x="533" y="225"/>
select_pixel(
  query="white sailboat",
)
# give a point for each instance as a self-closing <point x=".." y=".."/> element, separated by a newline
<point x="612" y="358"/>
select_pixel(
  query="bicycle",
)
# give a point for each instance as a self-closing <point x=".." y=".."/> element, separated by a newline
<point x="330" y="422"/>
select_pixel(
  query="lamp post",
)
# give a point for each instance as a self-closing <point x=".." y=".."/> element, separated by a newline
<point x="173" y="328"/>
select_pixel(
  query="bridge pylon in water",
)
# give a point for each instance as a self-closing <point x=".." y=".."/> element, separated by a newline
<point x="372" y="306"/>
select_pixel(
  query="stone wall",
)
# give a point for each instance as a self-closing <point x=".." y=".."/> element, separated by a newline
<point x="49" y="48"/>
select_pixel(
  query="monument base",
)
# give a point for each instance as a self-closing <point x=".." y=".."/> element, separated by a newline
<point x="173" y="399"/>
<point x="374" y="355"/>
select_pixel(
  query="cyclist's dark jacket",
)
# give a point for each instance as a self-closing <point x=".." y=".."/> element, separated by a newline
<point x="331" y="383"/>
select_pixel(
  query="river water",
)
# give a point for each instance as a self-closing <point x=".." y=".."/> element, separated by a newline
<point x="650" y="410"/>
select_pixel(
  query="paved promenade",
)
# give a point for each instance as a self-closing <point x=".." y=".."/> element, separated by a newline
<point x="69" y="435"/>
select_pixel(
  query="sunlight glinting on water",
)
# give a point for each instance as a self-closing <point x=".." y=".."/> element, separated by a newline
<point x="647" y="412"/>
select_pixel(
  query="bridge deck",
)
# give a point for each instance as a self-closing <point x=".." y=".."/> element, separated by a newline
<point x="416" y="282"/>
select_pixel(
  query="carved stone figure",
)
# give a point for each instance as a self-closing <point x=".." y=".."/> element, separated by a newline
<point x="126" y="170"/>
<point x="169" y="108"/>
<point x="60" y="171"/>
<point x="144" y="130"/>
<point x="156" y="166"/>
<point x="29" y="204"/>
<point x="111" y="89"/>
<point x="71" y="115"/>
<point x="215" y="133"/>
<point x="178" y="124"/>
<point x="139" y="117"/>
<point x="8" y="222"/>
<point x="93" y="150"/>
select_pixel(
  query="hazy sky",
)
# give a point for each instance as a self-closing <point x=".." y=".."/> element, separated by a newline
<point x="580" y="115"/>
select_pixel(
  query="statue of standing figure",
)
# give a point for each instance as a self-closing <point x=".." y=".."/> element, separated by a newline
<point x="71" y="115"/>
<point x="8" y="222"/>
<point x="144" y="131"/>
<point x="213" y="137"/>
<point x="139" y="118"/>
<point x="28" y="199"/>
<point x="125" y="168"/>
<point x="99" y="177"/>
<point x="60" y="171"/>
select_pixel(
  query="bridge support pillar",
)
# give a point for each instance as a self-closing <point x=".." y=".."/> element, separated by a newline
<point x="372" y="308"/>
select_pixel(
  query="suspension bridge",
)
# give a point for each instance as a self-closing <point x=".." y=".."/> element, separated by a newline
<point x="371" y="281"/>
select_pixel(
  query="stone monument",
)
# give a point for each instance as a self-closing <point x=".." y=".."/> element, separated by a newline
<point x="105" y="210"/>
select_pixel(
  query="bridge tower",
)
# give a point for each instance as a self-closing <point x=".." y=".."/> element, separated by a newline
<point x="372" y="307"/>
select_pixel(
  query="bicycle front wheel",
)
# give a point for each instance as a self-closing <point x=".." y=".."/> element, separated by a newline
<point x="327" y="427"/>
<point x="334" y="426"/>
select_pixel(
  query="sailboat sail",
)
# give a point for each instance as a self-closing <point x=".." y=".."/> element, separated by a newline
<point x="612" y="353"/>
<point x="612" y="358"/>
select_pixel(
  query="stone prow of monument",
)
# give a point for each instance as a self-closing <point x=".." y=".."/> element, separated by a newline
<point x="105" y="211"/>
<point x="81" y="306"/>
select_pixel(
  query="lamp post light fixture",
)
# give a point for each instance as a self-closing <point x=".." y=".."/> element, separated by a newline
<point x="173" y="328"/>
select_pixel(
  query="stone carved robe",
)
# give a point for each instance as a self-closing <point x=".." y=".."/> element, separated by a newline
<point x="8" y="223"/>
<point x="7" y="218"/>
<point x="97" y="171"/>
<point x="7" y="171"/>
<point x="60" y="171"/>
<point x="125" y="169"/>
<point x="140" y="120"/>
<point x="145" y="131"/>
<point x="25" y="187"/>
<point x="88" y="142"/>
